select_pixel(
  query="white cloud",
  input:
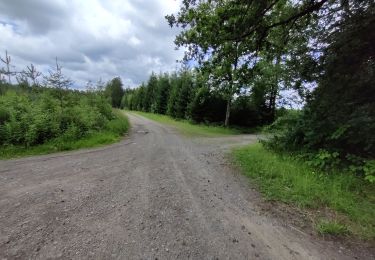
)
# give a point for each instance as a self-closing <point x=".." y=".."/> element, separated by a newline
<point x="92" y="38"/>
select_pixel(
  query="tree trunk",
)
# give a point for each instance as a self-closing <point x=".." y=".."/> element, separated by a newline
<point x="227" y="113"/>
<point x="273" y="94"/>
<point x="272" y="106"/>
<point x="60" y="97"/>
<point x="8" y="74"/>
<point x="7" y="58"/>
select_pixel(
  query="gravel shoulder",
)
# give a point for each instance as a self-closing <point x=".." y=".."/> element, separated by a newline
<point x="155" y="194"/>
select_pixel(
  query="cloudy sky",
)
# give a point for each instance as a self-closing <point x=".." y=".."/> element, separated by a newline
<point x="92" y="38"/>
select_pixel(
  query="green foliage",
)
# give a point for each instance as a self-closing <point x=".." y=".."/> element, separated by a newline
<point x="188" y="95"/>
<point x="4" y="116"/>
<point x="290" y="180"/>
<point x="118" y="125"/>
<point x="207" y="106"/>
<point x="112" y="133"/>
<point x="284" y="121"/>
<point x="184" y="95"/>
<point x="341" y="114"/>
<point x="150" y="95"/>
<point x="33" y="118"/>
<point x="326" y="227"/>
<point x="173" y="96"/>
<point x="251" y="44"/>
<point x="325" y="160"/>
<point x="114" y="92"/>
<point x="290" y="136"/>
<point x="369" y="170"/>
<point x="249" y="51"/>
<point x="162" y="94"/>
<point x="335" y="129"/>
<point x="246" y="111"/>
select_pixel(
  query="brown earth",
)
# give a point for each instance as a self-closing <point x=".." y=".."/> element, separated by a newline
<point x="155" y="195"/>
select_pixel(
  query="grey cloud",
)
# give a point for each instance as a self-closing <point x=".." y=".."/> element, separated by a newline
<point x="92" y="38"/>
<point x="40" y="15"/>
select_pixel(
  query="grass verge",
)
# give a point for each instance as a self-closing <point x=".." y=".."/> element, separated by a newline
<point x="190" y="129"/>
<point x="113" y="133"/>
<point x="349" y="199"/>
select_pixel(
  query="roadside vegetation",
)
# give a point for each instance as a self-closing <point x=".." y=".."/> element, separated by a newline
<point x="190" y="129"/>
<point x="36" y="119"/>
<point x="349" y="199"/>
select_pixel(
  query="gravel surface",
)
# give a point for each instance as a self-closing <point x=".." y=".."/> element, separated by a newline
<point x="155" y="195"/>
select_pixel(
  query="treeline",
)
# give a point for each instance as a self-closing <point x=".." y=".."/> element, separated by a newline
<point x="189" y="95"/>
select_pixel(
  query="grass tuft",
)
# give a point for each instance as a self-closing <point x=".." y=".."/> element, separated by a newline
<point x="284" y="178"/>
<point x="326" y="227"/>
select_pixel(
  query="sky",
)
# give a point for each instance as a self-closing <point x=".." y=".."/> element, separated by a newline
<point x="92" y="39"/>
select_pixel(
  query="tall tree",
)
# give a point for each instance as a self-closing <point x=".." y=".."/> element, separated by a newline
<point x="184" y="95"/>
<point x="114" y="91"/>
<point x="150" y="97"/>
<point x="141" y="98"/>
<point x="162" y="94"/>
<point x="173" y="95"/>
<point x="340" y="116"/>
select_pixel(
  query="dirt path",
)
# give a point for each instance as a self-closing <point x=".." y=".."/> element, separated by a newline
<point x="155" y="195"/>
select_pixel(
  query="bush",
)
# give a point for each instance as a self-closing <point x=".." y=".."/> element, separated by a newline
<point x="292" y="133"/>
<point x="118" y="125"/>
<point x="331" y="228"/>
<point x="282" y="124"/>
<point x="33" y="118"/>
<point x="4" y="115"/>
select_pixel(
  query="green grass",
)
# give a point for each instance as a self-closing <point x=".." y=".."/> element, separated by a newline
<point x="190" y="129"/>
<point x="284" y="178"/>
<point x="113" y="133"/>
<point x="326" y="227"/>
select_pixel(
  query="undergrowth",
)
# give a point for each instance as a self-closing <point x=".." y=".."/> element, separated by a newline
<point x="112" y="133"/>
<point x="290" y="180"/>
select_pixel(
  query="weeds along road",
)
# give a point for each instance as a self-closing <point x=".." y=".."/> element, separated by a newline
<point x="154" y="195"/>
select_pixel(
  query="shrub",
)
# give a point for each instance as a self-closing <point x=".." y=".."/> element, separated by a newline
<point x="32" y="118"/>
<point x="118" y="125"/>
<point x="4" y="115"/>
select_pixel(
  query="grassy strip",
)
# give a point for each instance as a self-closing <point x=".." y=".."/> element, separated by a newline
<point x="190" y="129"/>
<point x="283" y="178"/>
<point x="113" y="133"/>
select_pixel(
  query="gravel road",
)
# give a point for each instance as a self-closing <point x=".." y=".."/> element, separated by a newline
<point x="155" y="195"/>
